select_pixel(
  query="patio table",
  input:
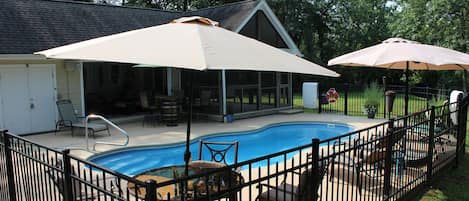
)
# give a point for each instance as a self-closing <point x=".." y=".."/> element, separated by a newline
<point x="197" y="187"/>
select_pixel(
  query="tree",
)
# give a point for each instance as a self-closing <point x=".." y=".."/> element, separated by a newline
<point x="177" y="5"/>
<point x="436" y="22"/>
<point x="324" y="29"/>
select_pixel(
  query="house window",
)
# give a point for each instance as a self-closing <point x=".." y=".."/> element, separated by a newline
<point x="260" y="28"/>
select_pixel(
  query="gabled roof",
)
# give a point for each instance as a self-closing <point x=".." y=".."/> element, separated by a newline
<point x="230" y="16"/>
<point x="28" y="26"/>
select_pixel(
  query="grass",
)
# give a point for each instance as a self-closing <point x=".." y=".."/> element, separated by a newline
<point x="451" y="185"/>
<point x="356" y="101"/>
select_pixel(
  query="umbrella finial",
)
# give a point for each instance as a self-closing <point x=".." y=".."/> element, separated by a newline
<point x="197" y="20"/>
<point x="400" y="40"/>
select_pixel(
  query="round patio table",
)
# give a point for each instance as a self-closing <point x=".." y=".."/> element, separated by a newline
<point x="204" y="186"/>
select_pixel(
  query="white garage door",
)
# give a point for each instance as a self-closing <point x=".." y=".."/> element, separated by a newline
<point x="27" y="97"/>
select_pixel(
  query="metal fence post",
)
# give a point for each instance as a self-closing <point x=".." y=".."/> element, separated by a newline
<point x="9" y="166"/>
<point x="388" y="158"/>
<point x="463" y="117"/>
<point x="461" y="132"/>
<point x="346" y="88"/>
<point x="431" y="144"/>
<point x="68" y="193"/>
<point x="315" y="169"/>
<point x="150" y="190"/>
<point x="384" y="91"/>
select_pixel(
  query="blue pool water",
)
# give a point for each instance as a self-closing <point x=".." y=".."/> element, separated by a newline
<point x="252" y="144"/>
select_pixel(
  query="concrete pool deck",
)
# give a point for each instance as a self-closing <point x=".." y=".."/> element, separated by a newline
<point x="161" y="134"/>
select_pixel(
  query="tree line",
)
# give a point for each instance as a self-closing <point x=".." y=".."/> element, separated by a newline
<point x="324" y="29"/>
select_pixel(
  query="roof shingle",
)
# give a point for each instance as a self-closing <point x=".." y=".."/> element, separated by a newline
<point x="28" y="26"/>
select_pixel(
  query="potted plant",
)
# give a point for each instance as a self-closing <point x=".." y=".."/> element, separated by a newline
<point x="436" y="101"/>
<point x="373" y="97"/>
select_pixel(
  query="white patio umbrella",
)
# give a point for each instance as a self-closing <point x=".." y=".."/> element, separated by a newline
<point x="192" y="43"/>
<point x="398" y="53"/>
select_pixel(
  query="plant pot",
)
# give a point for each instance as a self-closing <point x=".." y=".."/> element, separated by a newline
<point x="371" y="114"/>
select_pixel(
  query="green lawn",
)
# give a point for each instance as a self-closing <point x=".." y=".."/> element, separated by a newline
<point x="356" y="101"/>
<point x="452" y="185"/>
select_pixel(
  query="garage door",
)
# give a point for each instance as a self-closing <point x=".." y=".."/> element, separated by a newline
<point x="27" y="97"/>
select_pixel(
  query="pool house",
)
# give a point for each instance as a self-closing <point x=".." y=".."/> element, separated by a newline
<point x="115" y="89"/>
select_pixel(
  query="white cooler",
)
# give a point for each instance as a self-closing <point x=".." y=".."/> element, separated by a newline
<point x="310" y="95"/>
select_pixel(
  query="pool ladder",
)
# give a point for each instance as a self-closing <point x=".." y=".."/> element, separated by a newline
<point x="94" y="116"/>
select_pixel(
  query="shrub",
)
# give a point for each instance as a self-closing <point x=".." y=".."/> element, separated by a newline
<point x="438" y="100"/>
<point x="373" y="97"/>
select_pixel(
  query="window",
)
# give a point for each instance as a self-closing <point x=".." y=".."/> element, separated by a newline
<point x="260" y="28"/>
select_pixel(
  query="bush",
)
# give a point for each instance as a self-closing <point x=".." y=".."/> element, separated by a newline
<point x="437" y="100"/>
<point x="373" y="97"/>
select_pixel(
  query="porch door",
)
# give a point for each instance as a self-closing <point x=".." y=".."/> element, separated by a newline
<point x="42" y="98"/>
<point x="27" y="97"/>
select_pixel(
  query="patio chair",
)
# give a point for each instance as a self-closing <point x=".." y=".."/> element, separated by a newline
<point x="361" y="146"/>
<point x="306" y="190"/>
<point x="68" y="118"/>
<point x="218" y="151"/>
<point x="351" y="169"/>
<point x="59" y="183"/>
<point x="152" y="115"/>
<point x="78" y="191"/>
<point x="442" y="131"/>
<point x="205" y="97"/>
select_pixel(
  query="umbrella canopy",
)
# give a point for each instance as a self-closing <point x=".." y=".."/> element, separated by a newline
<point x="395" y="53"/>
<point x="398" y="53"/>
<point x="192" y="43"/>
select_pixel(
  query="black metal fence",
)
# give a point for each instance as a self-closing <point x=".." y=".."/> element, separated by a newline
<point x="352" y="99"/>
<point x="4" y="194"/>
<point x="30" y="171"/>
<point x="388" y="161"/>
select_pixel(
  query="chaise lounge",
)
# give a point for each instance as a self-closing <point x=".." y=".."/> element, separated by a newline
<point x="68" y="118"/>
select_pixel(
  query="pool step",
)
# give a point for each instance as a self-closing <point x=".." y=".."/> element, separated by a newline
<point x="291" y="111"/>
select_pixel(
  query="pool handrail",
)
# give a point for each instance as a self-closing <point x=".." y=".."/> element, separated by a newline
<point x="95" y="116"/>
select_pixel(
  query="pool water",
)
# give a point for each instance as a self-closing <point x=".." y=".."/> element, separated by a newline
<point x="252" y="144"/>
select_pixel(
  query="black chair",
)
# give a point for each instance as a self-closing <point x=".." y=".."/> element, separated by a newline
<point x="78" y="188"/>
<point x="306" y="190"/>
<point x="151" y="110"/>
<point x="218" y="151"/>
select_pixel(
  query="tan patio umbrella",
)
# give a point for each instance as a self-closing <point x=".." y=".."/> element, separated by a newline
<point x="398" y="53"/>
<point x="192" y="43"/>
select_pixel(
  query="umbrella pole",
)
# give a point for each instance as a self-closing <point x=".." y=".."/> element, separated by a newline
<point x="406" y="96"/>
<point x="187" y="153"/>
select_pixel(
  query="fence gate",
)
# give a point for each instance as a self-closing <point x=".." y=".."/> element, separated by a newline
<point x="4" y="195"/>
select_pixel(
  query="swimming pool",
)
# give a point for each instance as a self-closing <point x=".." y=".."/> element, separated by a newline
<point x="255" y="143"/>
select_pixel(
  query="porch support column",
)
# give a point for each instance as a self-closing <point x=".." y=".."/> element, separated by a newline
<point x="169" y="81"/>
<point x="223" y="100"/>
<point x="259" y="90"/>
<point x="290" y="89"/>
<point x="82" y="87"/>
<point x="220" y="94"/>
<point x="277" y="89"/>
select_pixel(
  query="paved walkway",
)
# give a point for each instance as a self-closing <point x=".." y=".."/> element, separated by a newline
<point x="161" y="134"/>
